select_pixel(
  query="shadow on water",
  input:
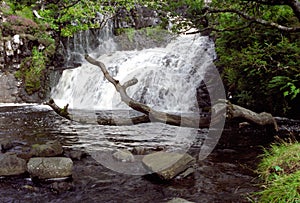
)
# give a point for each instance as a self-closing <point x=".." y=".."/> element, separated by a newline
<point x="226" y="175"/>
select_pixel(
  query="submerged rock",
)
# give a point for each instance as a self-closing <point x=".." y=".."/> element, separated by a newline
<point x="11" y="165"/>
<point x="58" y="187"/>
<point x="5" y="145"/>
<point x="168" y="165"/>
<point x="123" y="155"/>
<point x="74" y="154"/>
<point x="139" y="150"/>
<point x="51" y="148"/>
<point x="50" y="167"/>
<point x="178" y="200"/>
<point x="143" y="150"/>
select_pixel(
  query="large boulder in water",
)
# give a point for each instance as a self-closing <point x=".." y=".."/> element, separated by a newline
<point x="123" y="155"/>
<point x="167" y="165"/>
<point x="50" y="167"/>
<point x="11" y="165"/>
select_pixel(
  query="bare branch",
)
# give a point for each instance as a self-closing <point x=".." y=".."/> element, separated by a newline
<point x="129" y="83"/>
<point x="235" y="111"/>
<point x="219" y="30"/>
<point x="253" y="19"/>
<point x="294" y="4"/>
<point x="221" y="110"/>
<point x="154" y="115"/>
<point x="60" y="111"/>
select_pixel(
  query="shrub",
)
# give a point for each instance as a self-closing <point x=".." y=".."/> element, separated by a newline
<point x="31" y="71"/>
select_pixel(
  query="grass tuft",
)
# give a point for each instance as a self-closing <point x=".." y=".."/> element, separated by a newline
<point x="280" y="171"/>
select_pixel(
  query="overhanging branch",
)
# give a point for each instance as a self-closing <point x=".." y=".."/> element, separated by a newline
<point x="222" y="109"/>
<point x="220" y="30"/>
<point x="294" y="4"/>
<point x="154" y="115"/>
<point x="254" y="19"/>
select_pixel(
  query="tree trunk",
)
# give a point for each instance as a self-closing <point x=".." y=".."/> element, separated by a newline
<point x="222" y="110"/>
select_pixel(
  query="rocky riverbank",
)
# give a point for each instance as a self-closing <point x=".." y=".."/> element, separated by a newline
<point x="225" y="176"/>
<point x="50" y="161"/>
<point x="211" y="179"/>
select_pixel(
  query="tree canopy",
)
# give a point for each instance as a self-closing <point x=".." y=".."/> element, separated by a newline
<point x="257" y="41"/>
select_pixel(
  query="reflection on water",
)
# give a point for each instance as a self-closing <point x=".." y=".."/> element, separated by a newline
<point x="39" y="123"/>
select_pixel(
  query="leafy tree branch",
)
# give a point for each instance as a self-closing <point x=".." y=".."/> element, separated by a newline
<point x="253" y="19"/>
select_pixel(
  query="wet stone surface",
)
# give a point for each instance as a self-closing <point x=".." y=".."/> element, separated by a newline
<point x="214" y="180"/>
<point x="11" y="165"/>
<point x="50" y="167"/>
<point x="168" y="165"/>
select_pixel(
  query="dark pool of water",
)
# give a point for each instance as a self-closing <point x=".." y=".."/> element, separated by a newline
<point x="226" y="175"/>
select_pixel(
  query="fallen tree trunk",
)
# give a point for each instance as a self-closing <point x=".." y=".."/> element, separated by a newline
<point x="221" y="110"/>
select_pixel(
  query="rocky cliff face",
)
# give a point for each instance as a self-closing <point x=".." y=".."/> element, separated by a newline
<point x="26" y="50"/>
<point x="13" y="50"/>
<point x="139" y="17"/>
<point x="21" y="77"/>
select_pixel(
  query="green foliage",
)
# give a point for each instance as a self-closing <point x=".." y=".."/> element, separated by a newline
<point x="129" y="32"/>
<point x="284" y="188"/>
<point x="279" y="159"/>
<point x="285" y="84"/>
<point x="7" y="9"/>
<point x="70" y="17"/>
<point x="16" y="24"/>
<point x="25" y="12"/>
<point x="264" y="64"/>
<point x="31" y="71"/>
<point x="251" y="56"/>
<point x="280" y="170"/>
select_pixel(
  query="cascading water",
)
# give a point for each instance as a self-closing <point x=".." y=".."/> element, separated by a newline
<point x="97" y="41"/>
<point x="168" y="76"/>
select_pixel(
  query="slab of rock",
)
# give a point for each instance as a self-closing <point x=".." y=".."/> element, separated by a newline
<point x="168" y="165"/>
<point x="10" y="165"/>
<point x="50" y="167"/>
<point x="51" y="148"/>
<point x="123" y="155"/>
<point x="8" y="85"/>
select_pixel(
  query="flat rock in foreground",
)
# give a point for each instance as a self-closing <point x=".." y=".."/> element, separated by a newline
<point x="167" y="165"/>
<point x="10" y="165"/>
<point x="50" y="167"/>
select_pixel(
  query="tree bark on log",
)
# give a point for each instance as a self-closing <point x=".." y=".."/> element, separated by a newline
<point x="222" y="110"/>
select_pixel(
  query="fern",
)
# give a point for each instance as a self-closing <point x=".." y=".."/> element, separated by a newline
<point x="285" y="84"/>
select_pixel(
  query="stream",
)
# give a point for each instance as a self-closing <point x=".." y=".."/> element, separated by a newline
<point x="226" y="175"/>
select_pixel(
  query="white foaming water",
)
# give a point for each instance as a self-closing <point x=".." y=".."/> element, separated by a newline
<point x="94" y="41"/>
<point x="168" y="77"/>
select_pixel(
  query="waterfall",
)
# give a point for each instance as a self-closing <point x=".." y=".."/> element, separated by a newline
<point x="92" y="41"/>
<point x="168" y="76"/>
